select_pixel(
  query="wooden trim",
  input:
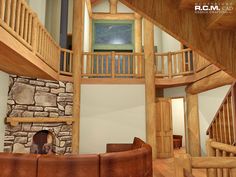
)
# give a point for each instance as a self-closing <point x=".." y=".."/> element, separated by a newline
<point x="89" y="7"/>
<point x="15" y="120"/>
<point x="112" y="81"/>
<point x="117" y="16"/>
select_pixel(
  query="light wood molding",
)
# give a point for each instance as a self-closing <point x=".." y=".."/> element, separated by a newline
<point x="193" y="125"/>
<point x="77" y="47"/>
<point x="112" y="81"/>
<point x="117" y="16"/>
<point x="181" y="23"/>
<point x="89" y="7"/>
<point x="150" y="86"/>
<point x="15" y="120"/>
<point x="217" y="79"/>
<point x="113" y="6"/>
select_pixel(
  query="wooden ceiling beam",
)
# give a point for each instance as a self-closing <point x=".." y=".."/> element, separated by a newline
<point x="217" y="46"/>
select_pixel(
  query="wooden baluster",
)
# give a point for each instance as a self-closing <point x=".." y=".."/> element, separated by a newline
<point x="189" y="65"/>
<point x="107" y="64"/>
<point x="217" y="130"/>
<point x="175" y="70"/>
<point x="124" y="64"/>
<point x="88" y="67"/>
<point x="2" y="9"/>
<point x="64" y="60"/>
<point x="8" y="12"/>
<point x="13" y="14"/>
<point x="225" y="125"/>
<point x="169" y="65"/>
<point x="71" y="62"/>
<point x="30" y="29"/>
<point x="82" y="63"/>
<point x="97" y="66"/>
<point x="183" y="61"/>
<point x="41" y="41"/>
<point x="162" y="64"/>
<point x="26" y="25"/>
<point x="228" y="116"/>
<point x="219" y="171"/>
<point x="92" y="63"/>
<point x="182" y="162"/>
<point x="129" y="60"/>
<point x="113" y="64"/>
<point x="135" y="58"/>
<point x="225" y="170"/>
<point x="118" y="64"/>
<point x="22" y="21"/>
<point x="220" y="124"/>
<point x="102" y="67"/>
<point x="213" y="131"/>
<point x="34" y="33"/>
<point x="18" y="11"/>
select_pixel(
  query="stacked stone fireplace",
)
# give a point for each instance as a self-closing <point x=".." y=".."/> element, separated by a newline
<point x="30" y="97"/>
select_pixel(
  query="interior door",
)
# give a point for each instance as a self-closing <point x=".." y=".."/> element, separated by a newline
<point x="164" y="130"/>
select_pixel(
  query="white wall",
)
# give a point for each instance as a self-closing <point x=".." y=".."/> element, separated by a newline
<point x="208" y="103"/>
<point x="169" y="43"/>
<point x="52" y="19"/>
<point x="86" y="29"/>
<point x="111" y="113"/>
<point x="178" y="118"/>
<point x="175" y="92"/>
<point x="39" y="6"/>
<point x="4" y="85"/>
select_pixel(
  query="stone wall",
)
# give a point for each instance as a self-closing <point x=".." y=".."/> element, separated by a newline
<point x="30" y="97"/>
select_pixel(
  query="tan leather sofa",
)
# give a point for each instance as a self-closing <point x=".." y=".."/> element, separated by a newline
<point x="121" y="160"/>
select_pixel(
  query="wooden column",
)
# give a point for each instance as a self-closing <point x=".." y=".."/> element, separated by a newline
<point x="138" y="33"/>
<point x="210" y="153"/>
<point x="150" y="85"/>
<point x="113" y="6"/>
<point x="193" y="125"/>
<point x="77" y="47"/>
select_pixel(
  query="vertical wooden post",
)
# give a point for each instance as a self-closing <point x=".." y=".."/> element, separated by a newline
<point x="150" y="85"/>
<point x="211" y="153"/>
<point x="77" y="47"/>
<point x="34" y="34"/>
<point x="193" y="125"/>
<point x="113" y="6"/>
<point x="169" y="64"/>
<point x="113" y="64"/>
<point x="183" y="161"/>
<point x="138" y="41"/>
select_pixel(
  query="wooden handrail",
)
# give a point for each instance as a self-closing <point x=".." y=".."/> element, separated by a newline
<point x="222" y="127"/>
<point x="213" y="165"/>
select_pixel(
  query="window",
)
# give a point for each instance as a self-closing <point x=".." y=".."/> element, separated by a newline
<point x="113" y="35"/>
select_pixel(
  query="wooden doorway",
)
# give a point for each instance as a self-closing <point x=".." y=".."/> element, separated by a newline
<point x="164" y="129"/>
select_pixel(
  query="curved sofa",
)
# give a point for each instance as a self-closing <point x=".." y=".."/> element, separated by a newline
<point x="121" y="160"/>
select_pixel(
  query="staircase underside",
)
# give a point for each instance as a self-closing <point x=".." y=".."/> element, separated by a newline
<point x="193" y="30"/>
<point x="17" y="59"/>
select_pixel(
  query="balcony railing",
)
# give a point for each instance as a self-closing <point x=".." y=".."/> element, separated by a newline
<point x="20" y="21"/>
<point x="173" y="64"/>
<point x="112" y="65"/>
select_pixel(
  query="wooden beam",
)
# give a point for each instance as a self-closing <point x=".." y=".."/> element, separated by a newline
<point x="77" y="47"/>
<point x="15" y="120"/>
<point x="150" y="86"/>
<point x="193" y="125"/>
<point x="216" y="46"/>
<point x="213" y="81"/>
<point x="108" y="16"/>
<point x="113" y="6"/>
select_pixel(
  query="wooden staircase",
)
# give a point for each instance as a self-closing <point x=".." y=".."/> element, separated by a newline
<point x="223" y="127"/>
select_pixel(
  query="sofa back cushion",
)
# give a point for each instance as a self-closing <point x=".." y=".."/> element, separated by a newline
<point x="68" y="166"/>
<point x="18" y="165"/>
<point x="137" y="143"/>
<point x="126" y="163"/>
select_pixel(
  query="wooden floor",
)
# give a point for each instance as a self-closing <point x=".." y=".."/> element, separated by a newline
<point x="165" y="167"/>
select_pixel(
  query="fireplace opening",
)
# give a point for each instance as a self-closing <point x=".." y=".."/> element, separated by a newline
<point x="42" y="143"/>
